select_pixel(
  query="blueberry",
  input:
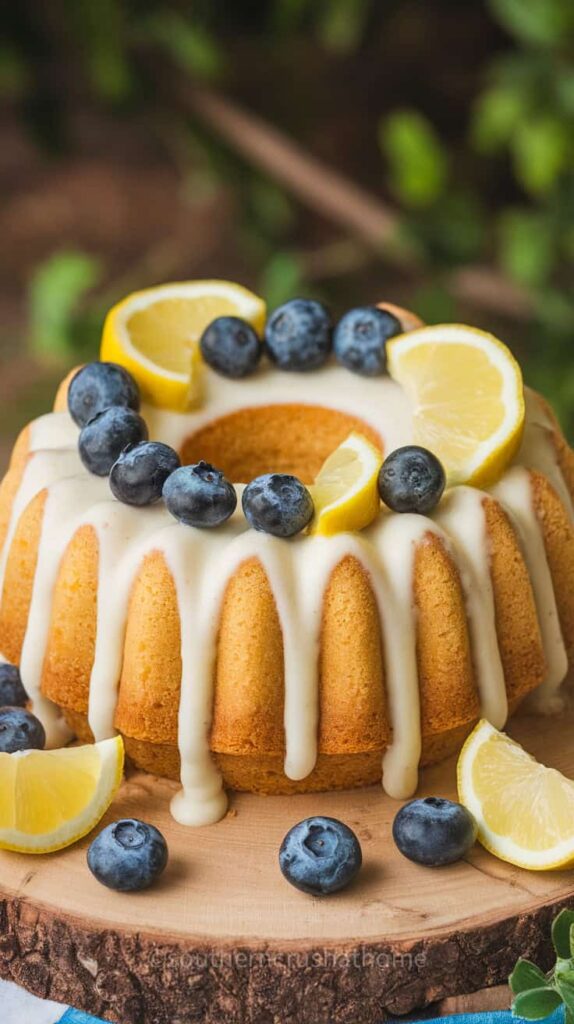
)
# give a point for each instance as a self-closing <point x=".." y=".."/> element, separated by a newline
<point x="434" y="831"/>
<point x="128" y="855"/>
<point x="298" y="335"/>
<point x="138" y="476"/>
<point x="104" y="438"/>
<point x="100" y="386"/>
<point x="412" y="479"/>
<point x="12" y="693"/>
<point x="360" y="339"/>
<point x="199" y="495"/>
<point x="231" y="347"/>
<point x="277" y="503"/>
<point x="20" y="730"/>
<point x="320" y="856"/>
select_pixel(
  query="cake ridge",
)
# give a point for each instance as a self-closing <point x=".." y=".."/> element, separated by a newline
<point x="515" y="493"/>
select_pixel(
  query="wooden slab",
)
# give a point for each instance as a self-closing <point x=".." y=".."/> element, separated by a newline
<point x="223" y="939"/>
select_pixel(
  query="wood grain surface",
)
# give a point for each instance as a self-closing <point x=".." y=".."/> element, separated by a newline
<point x="223" y="939"/>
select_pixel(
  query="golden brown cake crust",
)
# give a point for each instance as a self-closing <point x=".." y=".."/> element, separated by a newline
<point x="72" y="637"/>
<point x="517" y="626"/>
<point x="11" y="482"/>
<point x="264" y="773"/>
<point x="19" y="579"/>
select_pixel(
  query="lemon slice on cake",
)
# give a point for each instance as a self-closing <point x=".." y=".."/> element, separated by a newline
<point x="51" y="798"/>
<point x="524" y="811"/>
<point x="467" y="395"/>
<point x="155" y="334"/>
<point x="345" y="492"/>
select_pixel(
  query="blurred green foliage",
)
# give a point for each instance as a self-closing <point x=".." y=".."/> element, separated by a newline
<point x="417" y="162"/>
<point x="59" y="323"/>
<point x="522" y="117"/>
<point x="498" y="189"/>
<point x="189" y="43"/>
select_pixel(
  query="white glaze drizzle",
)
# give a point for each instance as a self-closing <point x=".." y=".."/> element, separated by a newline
<point x="461" y="514"/>
<point x="202" y="563"/>
<point x="397" y="542"/>
<point x="514" y="491"/>
<point x="537" y="450"/>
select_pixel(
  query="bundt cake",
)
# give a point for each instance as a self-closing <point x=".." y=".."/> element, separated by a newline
<point x="284" y="666"/>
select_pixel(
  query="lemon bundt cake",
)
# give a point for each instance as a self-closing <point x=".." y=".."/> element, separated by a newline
<point x="279" y="666"/>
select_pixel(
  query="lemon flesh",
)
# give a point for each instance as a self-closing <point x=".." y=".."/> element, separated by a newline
<point x="51" y="798"/>
<point x="467" y="396"/>
<point x="524" y="811"/>
<point x="345" y="492"/>
<point x="155" y="334"/>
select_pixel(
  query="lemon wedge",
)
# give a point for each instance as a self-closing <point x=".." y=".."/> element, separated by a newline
<point x="345" y="492"/>
<point x="524" y="811"/>
<point x="51" y="798"/>
<point x="467" y="395"/>
<point x="155" y="335"/>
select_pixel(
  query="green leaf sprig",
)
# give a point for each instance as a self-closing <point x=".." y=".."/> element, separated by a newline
<point x="536" y="994"/>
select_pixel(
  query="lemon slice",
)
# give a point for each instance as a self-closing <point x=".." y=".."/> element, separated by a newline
<point x="51" y="798"/>
<point x="155" y="334"/>
<point x="467" y="395"/>
<point x="345" y="492"/>
<point x="524" y="811"/>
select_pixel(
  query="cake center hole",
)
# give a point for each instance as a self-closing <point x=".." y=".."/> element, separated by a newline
<point x="273" y="439"/>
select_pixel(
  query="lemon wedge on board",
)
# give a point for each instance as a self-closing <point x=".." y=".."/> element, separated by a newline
<point x="524" y="811"/>
<point x="51" y="798"/>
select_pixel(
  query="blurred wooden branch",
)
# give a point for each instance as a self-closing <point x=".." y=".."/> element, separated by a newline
<point x="313" y="182"/>
<point x="364" y="216"/>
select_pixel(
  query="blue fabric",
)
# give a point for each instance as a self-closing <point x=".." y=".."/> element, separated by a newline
<point x="75" y="1017"/>
<point x="495" y="1017"/>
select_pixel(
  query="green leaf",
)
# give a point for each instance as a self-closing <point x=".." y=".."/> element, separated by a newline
<point x="14" y="72"/>
<point x="564" y="87"/>
<point x="565" y="986"/>
<point x="561" y="929"/>
<point x="525" y="976"/>
<point x="526" y="246"/>
<point x="536" y="1004"/>
<point x="417" y="162"/>
<point x="342" y="24"/>
<point x="271" y="205"/>
<point x="539" y="22"/>
<point x="542" y="149"/>
<point x="434" y="304"/>
<point x="287" y="15"/>
<point x="282" y="279"/>
<point x="189" y="43"/>
<point x="496" y="116"/>
<point x="555" y="311"/>
<point x="56" y="289"/>
<point x="100" y="29"/>
<point x="453" y="230"/>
